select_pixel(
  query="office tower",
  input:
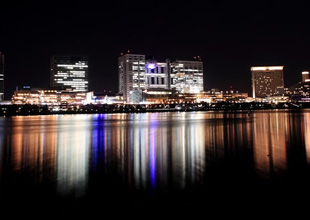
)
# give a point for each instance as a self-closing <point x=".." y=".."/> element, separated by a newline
<point x="157" y="74"/>
<point x="266" y="80"/>
<point x="136" y="74"/>
<point x="305" y="76"/>
<point x="131" y="73"/>
<point x="69" y="72"/>
<point x="1" y="77"/>
<point x="187" y="76"/>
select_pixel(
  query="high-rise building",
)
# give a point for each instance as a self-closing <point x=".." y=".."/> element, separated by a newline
<point x="182" y="76"/>
<point x="187" y="76"/>
<point x="69" y="72"/>
<point x="305" y="76"/>
<point x="131" y="74"/>
<point x="1" y="77"/>
<point x="138" y="73"/>
<point x="266" y="80"/>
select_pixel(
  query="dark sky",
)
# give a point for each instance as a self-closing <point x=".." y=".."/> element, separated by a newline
<point x="229" y="36"/>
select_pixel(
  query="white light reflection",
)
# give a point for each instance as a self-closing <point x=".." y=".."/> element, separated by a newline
<point x="73" y="144"/>
<point x="2" y="134"/>
<point x="178" y="152"/>
<point x="160" y="146"/>
<point x="138" y="137"/>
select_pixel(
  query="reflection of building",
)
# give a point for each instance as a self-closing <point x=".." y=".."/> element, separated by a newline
<point x="34" y="148"/>
<point x="151" y="155"/>
<point x="306" y="129"/>
<point x="138" y="73"/>
<point x="1" y="77"/>
<point x="72" y="158"/>
<point x="266" y="80"/>
<point x="270" y="142"/>
<point x="69" y="72"/>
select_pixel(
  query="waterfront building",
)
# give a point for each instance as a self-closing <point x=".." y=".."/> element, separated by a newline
<point x="157" y="74"/>
<point x="215" y="95"/>
<point x="266" y="80"/>
<point x="301" y="91"/>
<point x="187" y="76"/>
<point x="69" y="72"/>
<point x="1" y="77"/>
<point x="158" y="95"/>
<point x="131" y="73"/>
<point x="305" y="76"/>
<point x="138" y="74"/>
<point x="107" y="99"/>
<point x="49" y="97"/>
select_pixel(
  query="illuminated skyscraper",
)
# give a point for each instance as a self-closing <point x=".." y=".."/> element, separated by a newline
<point x="138" y="73"/>
<point x="69" y="72"/>
<point x="131" y="74"/>
<point x="266" y="80"/>
<point x="305" y="76"/>
<point x="187" y="76"/>
<point x="182" y="76"/>
<point x="1" y="77"/>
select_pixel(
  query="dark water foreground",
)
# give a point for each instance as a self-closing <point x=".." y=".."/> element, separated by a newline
<point x="172" y="164"/>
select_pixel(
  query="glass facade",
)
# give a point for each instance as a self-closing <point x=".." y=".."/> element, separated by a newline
<point x="1" y="77"/>
<point x="69" y="72"/>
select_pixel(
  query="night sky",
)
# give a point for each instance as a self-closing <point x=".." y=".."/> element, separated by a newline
<point x="229" y="36"/>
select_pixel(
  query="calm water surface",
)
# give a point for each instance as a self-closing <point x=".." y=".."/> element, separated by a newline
<point x="177" y="162"/>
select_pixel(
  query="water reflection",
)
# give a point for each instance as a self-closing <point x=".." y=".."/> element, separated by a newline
<point x="269" y="142"/>
<point x="31" y="148"/>
<point x="152" y="152"/>
<point x="53" y="149"/>
<point x="73" y="146"/>
<point x="2" y="137"/>
<point x="306" y="128"/>
<point x="280" y="138"/>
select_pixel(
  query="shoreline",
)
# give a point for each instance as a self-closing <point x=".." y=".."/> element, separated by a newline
<point x="27" y="110"/>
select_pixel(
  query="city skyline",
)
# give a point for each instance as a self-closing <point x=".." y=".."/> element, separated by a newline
<point x="229" y="36"/>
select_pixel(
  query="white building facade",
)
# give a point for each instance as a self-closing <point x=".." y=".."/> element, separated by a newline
<point x="138" y="73"/>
